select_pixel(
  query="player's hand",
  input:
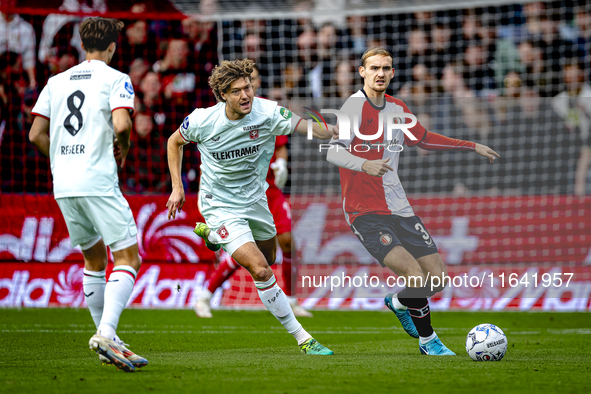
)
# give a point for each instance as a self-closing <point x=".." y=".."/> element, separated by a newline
<point x="335" y="132"/>
<point x="376" y="167"/>
<point x="485" y="151"/>
<point x="279" y="168"/>
<point x="119" y="151"/>
<point x="175" y="202"/>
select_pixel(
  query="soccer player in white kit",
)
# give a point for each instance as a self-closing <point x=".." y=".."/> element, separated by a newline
<point x="374" y="200"/>
<point x="86" y="110"/>
<point x="236" y="139"/>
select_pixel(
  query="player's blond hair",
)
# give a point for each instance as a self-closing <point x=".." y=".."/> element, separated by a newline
<point x="98" y="33"/>
<point x="227" y="72"/>
<point x="375" y="51"/>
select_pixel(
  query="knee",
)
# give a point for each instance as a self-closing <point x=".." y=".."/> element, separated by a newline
<point x="261" y="273"/>
<point x="414" y="276"/>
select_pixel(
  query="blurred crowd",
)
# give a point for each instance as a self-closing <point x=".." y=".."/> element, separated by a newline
<point x="483" y="65"/>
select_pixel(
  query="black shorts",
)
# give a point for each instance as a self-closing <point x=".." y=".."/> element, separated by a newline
<point x="380" y="233"/>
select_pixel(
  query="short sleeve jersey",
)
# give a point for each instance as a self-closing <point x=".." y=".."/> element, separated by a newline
<point x="365" y="194"/>
<point x="235" y="155"/>
<point x="79" y="103"/>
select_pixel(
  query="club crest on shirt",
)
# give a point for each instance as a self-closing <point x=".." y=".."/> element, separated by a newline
<point x="128" y="87"/>
<point x="385" y="239"/>
<point x="254" y="134"/>
<point x="223" y="232"/>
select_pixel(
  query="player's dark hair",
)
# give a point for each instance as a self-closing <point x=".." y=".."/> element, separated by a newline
<point x="227" y="72"/>
<point x="98" y="33"/>
<point x="375" y="51"/>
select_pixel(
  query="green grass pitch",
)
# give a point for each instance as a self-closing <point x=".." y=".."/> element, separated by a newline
<point x="46" y="351"/>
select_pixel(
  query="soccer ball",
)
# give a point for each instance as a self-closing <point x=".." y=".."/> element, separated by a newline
<point x="486" y="342"/>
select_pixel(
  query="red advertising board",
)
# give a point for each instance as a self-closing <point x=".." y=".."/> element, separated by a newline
<point x="495" y="237"/>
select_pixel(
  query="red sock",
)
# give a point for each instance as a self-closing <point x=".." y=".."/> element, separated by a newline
<point x="289" y="274"/>
<point x="226" y="269"/>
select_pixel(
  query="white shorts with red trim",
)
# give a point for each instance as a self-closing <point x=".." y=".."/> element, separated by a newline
<point x="232" y="227"/>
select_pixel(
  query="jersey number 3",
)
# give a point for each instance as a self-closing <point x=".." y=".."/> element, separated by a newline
<point x="74" y="113"/>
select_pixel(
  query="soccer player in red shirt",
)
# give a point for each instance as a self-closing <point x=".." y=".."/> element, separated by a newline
<point x="375" y="203"/>
<point x="276" y="178"/>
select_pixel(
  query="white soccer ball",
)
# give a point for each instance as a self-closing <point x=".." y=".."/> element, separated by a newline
<point x="486" y="342"/>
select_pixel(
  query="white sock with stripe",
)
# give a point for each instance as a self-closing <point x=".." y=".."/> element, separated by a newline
<point x="276" y="302"/>
<point x="93" y="284"/>
<point x="117" y="293"/>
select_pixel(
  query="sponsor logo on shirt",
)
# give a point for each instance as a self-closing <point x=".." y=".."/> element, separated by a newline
<point x="78" y="77"/>
<point x="215" y="139"/>
<point x="256" y="126"/>
<point x="128" y="87"/>
<point x="236" y="153"/>
<point x="285" y="113"/>
<point x="185" y="125"/>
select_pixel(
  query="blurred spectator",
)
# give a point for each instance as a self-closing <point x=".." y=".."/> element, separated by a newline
<point x="203" y="43"/>
<point x="308" y="56"/>
<point x="468" y="110"/>
<point x="423" y="20"/>
<point x="345" y="79"/>
<point x="574" y="106"/>
<point x="64" y="59"/>
<point x="477" y="71"/>
<point x="356" y="34"/>
<point x="294" y="81"/>
<point x="137" y="43"/>
<point x="178" y="79"/>
<point x="574" y="103"/>
<point x="18" y="36"/>
<point x="531" y="29"/>
<point x="445" y="48"/>
<point x="61" y="30"/>
<point x="327" y="54"/>
<point x="277" y="94"/>
<point x="138" y="68"/>
<point x="150" y="95"/>
<point x="509" y="97"/>
<point x="145" y="166"/>
<point x="583" y="22"/>
<point x="12" y="140"/>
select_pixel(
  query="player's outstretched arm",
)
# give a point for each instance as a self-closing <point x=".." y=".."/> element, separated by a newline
<point x="435" y="141"/>
<point x="175" y="157"/>
<point x="38" y="134"/>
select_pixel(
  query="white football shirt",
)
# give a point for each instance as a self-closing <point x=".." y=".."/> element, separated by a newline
<point x="78" y="104"/>
<point x="235" y="155"/>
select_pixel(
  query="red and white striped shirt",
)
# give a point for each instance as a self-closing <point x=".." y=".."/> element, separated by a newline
<point x="365" y="194"/>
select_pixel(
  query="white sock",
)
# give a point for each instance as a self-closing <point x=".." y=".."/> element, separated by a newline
<point x="276" y="302"/>
<point x="117" y="293"/>
<point x="424" y="340"/>
<point x="206" y="294"/>
<point x="93" y="284"/>
<point x="396" y="304"/>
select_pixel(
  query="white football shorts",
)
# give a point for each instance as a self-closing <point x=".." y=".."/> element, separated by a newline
<point x="233" y="227"/>
<point x="91" y="218"/>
